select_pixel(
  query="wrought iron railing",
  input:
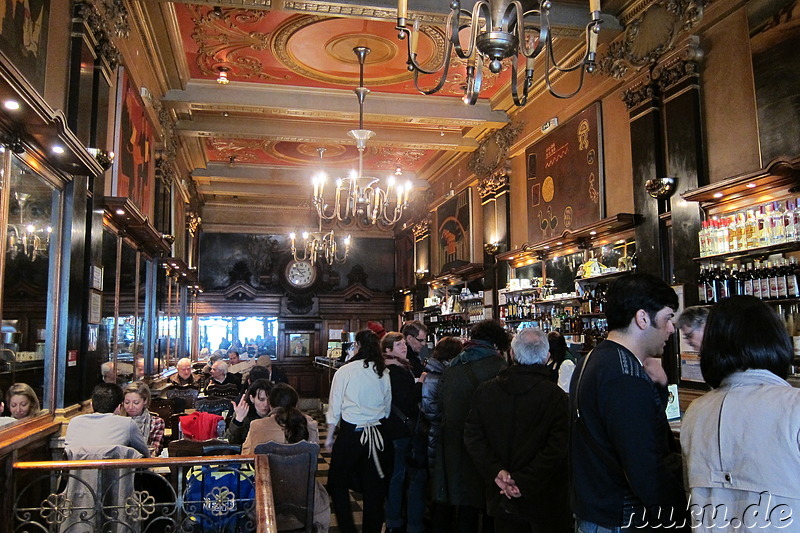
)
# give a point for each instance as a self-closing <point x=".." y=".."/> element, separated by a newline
<point x="187" y="494"/>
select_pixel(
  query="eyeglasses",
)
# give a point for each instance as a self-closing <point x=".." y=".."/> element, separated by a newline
<point x="423" y="339"/>
<point x="688" y="336"/>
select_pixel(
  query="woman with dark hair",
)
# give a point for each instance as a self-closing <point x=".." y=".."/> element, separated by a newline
<point x="740" y="441"/>
<point x="560" y="361"/>
<point x="359" y="402"/>
<point x="284" y="423"/>
<point x="253" y="405"/>
<point x="402" y="423"/>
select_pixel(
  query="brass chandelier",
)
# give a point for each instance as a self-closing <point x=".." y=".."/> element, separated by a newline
<point x="500" y="29"/>
<point x="359" y="199"/>
<point x="319" y="244"/>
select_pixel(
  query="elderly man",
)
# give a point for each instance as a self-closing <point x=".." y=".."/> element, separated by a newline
<point x="517" y="433"/>
<point x="108" y="372"/>
<point x="184" y="376"/>
<point x="220" y="376"/>
<point x="416" y="336"/>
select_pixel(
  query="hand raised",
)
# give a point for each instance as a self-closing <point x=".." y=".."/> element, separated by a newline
<point x="241" y="409"/>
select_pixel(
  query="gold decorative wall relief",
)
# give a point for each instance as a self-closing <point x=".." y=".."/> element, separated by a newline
<point x="493" y="151"/>
<point x="651" y="30"/>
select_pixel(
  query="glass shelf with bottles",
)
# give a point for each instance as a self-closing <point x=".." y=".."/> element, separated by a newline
<point x="755" y="231"/>
<point x="775" y="280"/>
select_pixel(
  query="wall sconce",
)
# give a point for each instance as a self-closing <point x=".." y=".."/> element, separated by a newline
<point x="103" y="157"/>
<point x="421" y="273"/>
<point x="661" y="188"/>
<point x="493" y="248"/>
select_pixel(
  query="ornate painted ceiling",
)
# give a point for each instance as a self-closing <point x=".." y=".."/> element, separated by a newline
<point x="255" y="141"/>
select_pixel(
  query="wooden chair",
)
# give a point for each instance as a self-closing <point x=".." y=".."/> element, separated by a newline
<point x="187" y="394"/>
<point x="218" y="406"/>
<point x="293" y="469"/>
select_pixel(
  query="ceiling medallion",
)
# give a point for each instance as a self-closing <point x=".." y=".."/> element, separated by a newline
<point x="335" y="49"/>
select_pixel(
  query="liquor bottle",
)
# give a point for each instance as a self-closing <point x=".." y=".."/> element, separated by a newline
<point x="741" y="233"/>
<point x="737" y="279"/>
<point x="766" y="294"/>
<point x="756" y="276"/>
<point x="747" y="280"/>
<point x="763" y="226"/>
<point x="711" y="287"/>
<point x="789" y="228"/>
<point x="702" y="236"/>
<point x="792" y="281"/>
<point x="701" y="285"/>
<point x="751" y="229"/>
<point x="733" y="231"/>
<point x="777" y="233"/>
<point x="779" y="277"/>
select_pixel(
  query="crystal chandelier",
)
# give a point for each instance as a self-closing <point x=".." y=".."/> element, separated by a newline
<point x="359" y="199"/>
<point x="319" y="244"/>
<point x="500" y="29"/>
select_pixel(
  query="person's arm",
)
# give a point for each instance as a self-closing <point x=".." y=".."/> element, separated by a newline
<point x="630" y="414"/>
<point x="156" y="435"/>
<point x="237" y="431"/>
<point x="136" y="439"/>
<point x="533" y="479"/>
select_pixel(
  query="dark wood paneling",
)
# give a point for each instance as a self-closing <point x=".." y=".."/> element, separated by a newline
<point x="647" y="163"/>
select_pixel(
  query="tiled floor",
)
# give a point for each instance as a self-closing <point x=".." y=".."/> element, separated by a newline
<point x="322" y="475"/>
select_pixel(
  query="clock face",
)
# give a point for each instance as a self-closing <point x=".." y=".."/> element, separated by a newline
<point x="300" y="274"/>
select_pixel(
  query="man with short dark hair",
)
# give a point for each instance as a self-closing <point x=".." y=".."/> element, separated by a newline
<point x="520" y="450"/>
<point x="103" y="427"/>
<point x="620" y="448"/>
<point x="416" y="336"/>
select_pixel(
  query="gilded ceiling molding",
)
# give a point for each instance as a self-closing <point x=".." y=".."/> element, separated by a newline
<point x="222" y="44"/>
<point x="679" y="66"/>
<point x="493" y="150"/>
<point x="494" y="183"/>
<point x="105" y="19"/>
<point x="369" y="12"/>
<point x="651" y="29"/>
<point x="421" y="229"/>
<point x="166" y="172"/>
<point x="239" y="150"/>
<point x="193" y="223"/>
<point x="641" y="91"/>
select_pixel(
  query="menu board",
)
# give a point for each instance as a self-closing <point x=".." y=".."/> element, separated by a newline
<point x="564" y="177"/>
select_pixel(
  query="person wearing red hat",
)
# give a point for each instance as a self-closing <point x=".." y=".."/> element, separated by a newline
<point x="377" y="328"/>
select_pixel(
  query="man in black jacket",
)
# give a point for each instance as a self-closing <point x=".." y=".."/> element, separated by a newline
<point x="623" y="472"/>
<point x="516" y="434"/>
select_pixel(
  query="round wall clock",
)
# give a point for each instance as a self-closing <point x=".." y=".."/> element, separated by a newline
<point x="300" y="275"/>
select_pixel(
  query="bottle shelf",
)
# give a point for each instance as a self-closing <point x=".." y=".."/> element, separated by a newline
<point x="762" y="251"/>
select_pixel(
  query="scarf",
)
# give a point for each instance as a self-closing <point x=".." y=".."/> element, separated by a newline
<point x="144" y="422"/>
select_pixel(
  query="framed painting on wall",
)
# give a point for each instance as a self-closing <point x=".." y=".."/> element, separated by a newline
<point x="23" y="37"/>
<point x="453" y="230"/>
<point x="134" y="168"/>
<point x="565" y="177"/>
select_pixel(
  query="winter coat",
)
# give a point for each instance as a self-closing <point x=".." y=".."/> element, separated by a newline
<point x="456" y="480"/>
<point x="519" y="422"/>
<point x="431" y="407"/>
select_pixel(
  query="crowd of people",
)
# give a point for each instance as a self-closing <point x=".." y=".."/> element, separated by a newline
<point x="494" y="434"/>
